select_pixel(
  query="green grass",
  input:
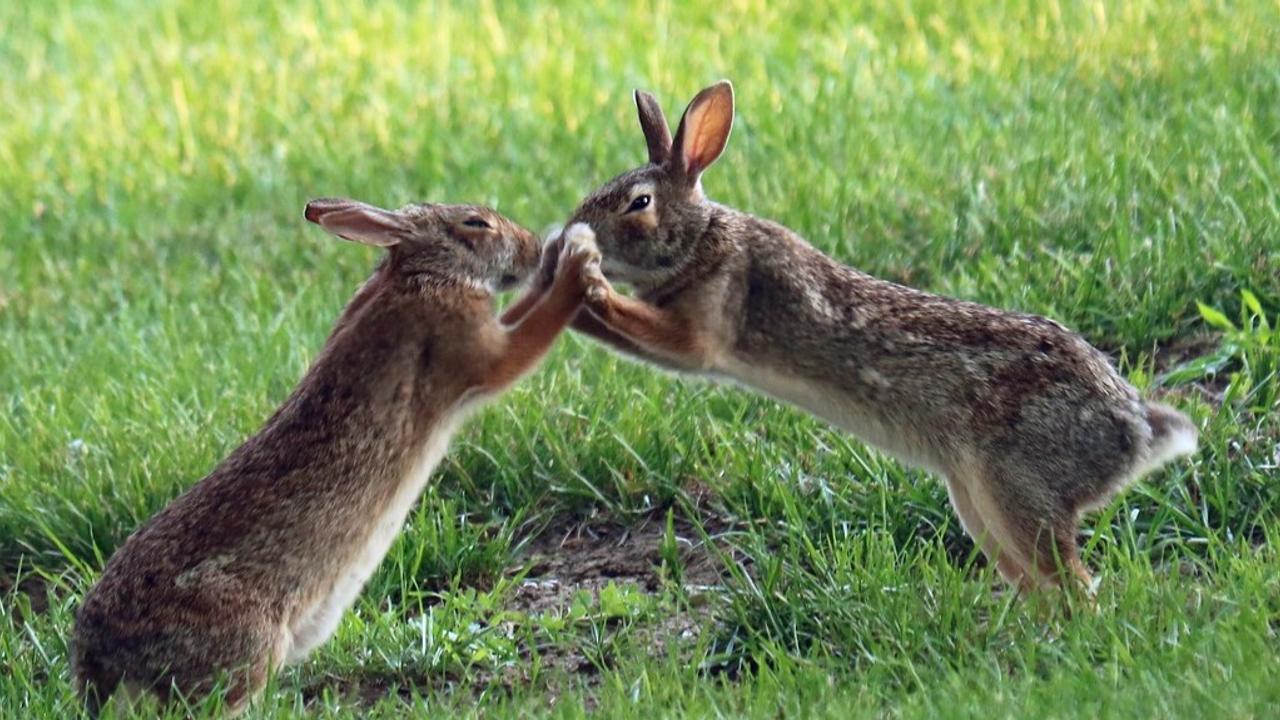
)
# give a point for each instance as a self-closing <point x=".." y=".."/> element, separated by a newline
<point x="1110" y="166"/>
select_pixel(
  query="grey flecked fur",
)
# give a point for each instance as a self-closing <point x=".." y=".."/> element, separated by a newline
<point x="1028" y="423"/>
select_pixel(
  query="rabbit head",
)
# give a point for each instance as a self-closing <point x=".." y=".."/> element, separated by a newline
<point x="470" y="244"/>
<point x="648" y="221"/>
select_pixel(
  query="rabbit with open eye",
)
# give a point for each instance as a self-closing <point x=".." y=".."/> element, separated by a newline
<point x="1029" y="425"/>
<point x="254" y="565"/>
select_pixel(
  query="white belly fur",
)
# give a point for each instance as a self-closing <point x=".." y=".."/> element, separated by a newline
<point x="314" y="625"/>
<point x="827" y="403"/>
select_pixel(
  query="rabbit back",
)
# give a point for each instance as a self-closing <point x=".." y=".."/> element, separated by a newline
<point x="933" y="380"/>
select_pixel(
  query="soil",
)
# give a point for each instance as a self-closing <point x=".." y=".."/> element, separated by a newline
<point x="564" y="561"/>
<point x="571" y="557"/>
<point x="1185" y="349"/>
<point x="36" y="589"/>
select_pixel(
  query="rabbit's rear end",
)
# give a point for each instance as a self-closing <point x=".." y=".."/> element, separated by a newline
<point x="1029" y="424"/>
<point x="117" y="638"/>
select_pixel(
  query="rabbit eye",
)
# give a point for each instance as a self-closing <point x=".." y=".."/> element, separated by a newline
<point x="476" y="222"/>
<point x="641" y="202"/>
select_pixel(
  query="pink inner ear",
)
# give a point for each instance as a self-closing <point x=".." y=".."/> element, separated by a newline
<point x="365" y="224"/>
<point x="707" y="127"/>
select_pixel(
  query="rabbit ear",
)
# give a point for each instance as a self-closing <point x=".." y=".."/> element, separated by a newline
<point x="704" y="130"/>
<point x="358" y="222"/>
<point x="656" y="133"/>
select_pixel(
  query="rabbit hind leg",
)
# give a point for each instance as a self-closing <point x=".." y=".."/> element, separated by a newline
<point x="974" y="524"/>
<point x="1037" y="529"/>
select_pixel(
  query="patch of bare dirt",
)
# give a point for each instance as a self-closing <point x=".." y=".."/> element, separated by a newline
<point x="36" y="589"/>
<point x="573" y="556"/>
<point x="570" y="559"/>
<point x="1182" y="349"/>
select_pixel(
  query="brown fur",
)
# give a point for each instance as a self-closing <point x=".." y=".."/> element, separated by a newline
<point x="1028" y="423"/>
<point x="221" y="583"/>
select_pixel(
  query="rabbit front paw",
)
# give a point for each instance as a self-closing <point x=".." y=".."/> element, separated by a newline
<point x="550" y="258"/>
<point x="597" y="287"/>
<point x="579" y="250"/>
<point x="579" y="239"/>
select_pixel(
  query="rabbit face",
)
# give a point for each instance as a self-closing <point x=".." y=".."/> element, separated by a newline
<point x="648" y="222"/>
<point x="481" y="243"/>
<point x="471" y="243"/>
<point x="645" y="224"/>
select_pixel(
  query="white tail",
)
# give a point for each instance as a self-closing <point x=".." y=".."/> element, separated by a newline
<point x="1172" y="435"/>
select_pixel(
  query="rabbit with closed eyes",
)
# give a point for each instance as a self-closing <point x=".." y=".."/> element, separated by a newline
<point x="1028" y="424"/>
<point x="254" y="565"/>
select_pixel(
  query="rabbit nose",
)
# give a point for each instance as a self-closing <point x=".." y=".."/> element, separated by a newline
<point x="530" y="246"/>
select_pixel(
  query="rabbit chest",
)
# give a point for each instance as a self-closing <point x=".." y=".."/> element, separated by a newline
<point x="316" y="621"/>
<point x="836" y="407"/>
